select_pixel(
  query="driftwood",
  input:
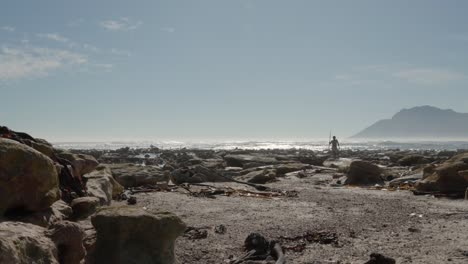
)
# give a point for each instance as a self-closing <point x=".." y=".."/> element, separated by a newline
<point x="259" y="248"/>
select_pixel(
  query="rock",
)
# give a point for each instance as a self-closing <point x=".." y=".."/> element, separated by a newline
<point x="410" y="178"/>
<point x="82" y="163"/>
<point x="59" y="211"/>
<point x="363" y="173"/>
<point x="68" y="238"/>
<point x="450" y="177"/>
<point x="282" y="169"/>
<point x="260" y="176"/>
<point x="241" y="160"/>
<point x="22" y="243"/>
<point x="376" y="258"/>
<point x="45" y="149"/>
<point x="133" y="235"/>
<point x="28" y="178"/>
<point x="84" y="207"/>
<point x="316" y="160"/>
<point x="132" y="200"/>
<point x="196" y="174"/>
<point x="101" y="184"/>
<point x="412" y="160"/>
<point x="131" y="175"/>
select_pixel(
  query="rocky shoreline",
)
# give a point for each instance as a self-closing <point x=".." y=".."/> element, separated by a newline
<point x="121" y="215"/>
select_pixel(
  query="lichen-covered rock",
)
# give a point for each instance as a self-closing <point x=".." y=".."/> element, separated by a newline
<point x="101" y="184"/>
<point x="450" y="177"/>
<point x="363" y="173"/>
<point x="68" y="239"/>
<point x="133" y="235"/>
<point x="28" y="178"/>
<point x="22" y="243"/>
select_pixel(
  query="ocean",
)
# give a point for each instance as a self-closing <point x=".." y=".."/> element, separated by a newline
<point x="259" y="145"/>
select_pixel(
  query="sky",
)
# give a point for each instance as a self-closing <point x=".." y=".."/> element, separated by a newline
<point x="225" y="69"/>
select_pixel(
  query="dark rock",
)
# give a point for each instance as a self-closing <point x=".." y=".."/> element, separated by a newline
<point x="363" y="173"/>
<point x="376" y="258"/>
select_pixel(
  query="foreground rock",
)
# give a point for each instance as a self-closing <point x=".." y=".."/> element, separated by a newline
<point x="68" y="238"/>
<point x="59" y="211"/>
<point x="363" y="173"/>
<point x="22" y="243"/>
<point x="450" y="177"/>
<point x="28" y="178"/>
<point x="84" y="207"/>
<point x="132" y="235"/>
<point x="101" y="184"/>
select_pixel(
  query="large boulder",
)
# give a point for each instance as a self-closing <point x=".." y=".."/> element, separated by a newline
<point x="101" y="184"/>
<point x="82" y="163"/>
<point x="28" y="178"/>
<point x="132" y="175"/>
<point x="363" y="173"/>
<point x="133" y="235"/>
<point x="450" y="177"/>
<point x="22" y="243"/>
<point x="68" y="239"/>
<point x="57" y="212"/>
<point x="196" y="174"/>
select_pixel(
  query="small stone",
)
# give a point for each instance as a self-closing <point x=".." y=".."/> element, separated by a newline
<point x="132" y="200"/>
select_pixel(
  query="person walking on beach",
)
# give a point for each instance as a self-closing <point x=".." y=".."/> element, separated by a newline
<point x="335" y="145"/>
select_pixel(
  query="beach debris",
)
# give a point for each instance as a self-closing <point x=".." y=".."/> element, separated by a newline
<point x="131" y="200"/>
<point x="220" y="229"/>
<point x="194" y="233"/>
<point x="377" y="258"/>
<point x="259" y="248"/>
<point x="299" y="243"/>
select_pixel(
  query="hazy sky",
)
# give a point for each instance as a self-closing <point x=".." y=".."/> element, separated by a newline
<point x="218" y="69"/>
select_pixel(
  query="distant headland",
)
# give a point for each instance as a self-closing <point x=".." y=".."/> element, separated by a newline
<point x="419" y="122"/>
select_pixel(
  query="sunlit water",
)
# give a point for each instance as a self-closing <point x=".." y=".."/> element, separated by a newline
<point x="258" y="145"/>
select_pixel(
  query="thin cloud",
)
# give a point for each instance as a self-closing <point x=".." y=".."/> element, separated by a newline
<point x="55" y="37"/>
<point x="168" y="29"/>
<point x="121" y="24"/>
<point x="120" y="52"/>
<point x="19" y="63"/>
<point x="75" y="23"/>
<point x="107" y="67"/>
<point x="415" y="75"/>
<point x="429" y="76"/>
<point x="90" y="47"/>
<point x="8" y="28"/>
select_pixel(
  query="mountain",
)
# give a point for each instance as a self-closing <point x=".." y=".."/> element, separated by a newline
<point x="422" y="122"/>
